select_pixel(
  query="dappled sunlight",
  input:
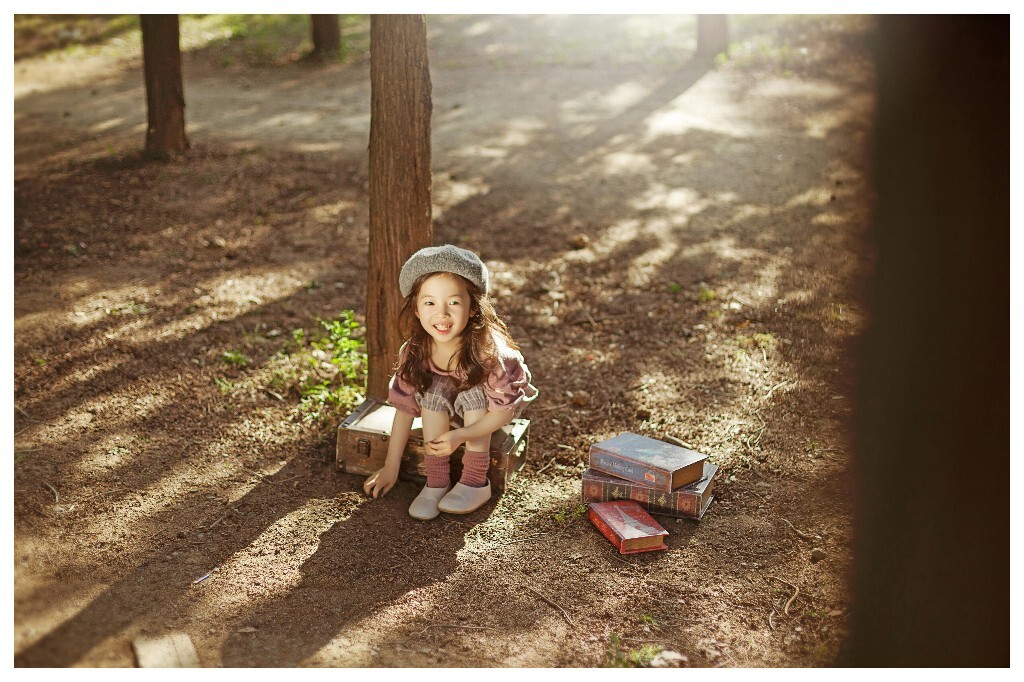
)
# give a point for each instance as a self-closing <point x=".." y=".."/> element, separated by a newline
<point x="671" y="240"/>
<point x="616" y="163"/>
<point x="814" y="196"/>
<point x="701" y="108"/>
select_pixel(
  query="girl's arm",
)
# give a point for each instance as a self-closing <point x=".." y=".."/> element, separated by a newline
<point x="447" y="443"/>
<point x="381" y="481"/>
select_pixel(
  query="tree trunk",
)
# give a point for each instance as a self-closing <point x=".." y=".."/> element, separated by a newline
<point x="165" y="95"/>
<point x="931" y="579"/>
<point x="712" y="35"/>
<point x="326" y="36"/>
<point x="400" y="210"/>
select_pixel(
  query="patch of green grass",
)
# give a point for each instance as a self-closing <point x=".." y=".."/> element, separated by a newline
<point x="327" y="372"/>
<point x="226" y="386"/>
<point x="706" y="294"/>
<point x="758" y="340"/>
<point x="675" y="287"/>
<point x="647" y="619"/>
<point x="620" y="655"/>
<point x="235" y="358"/>
<point x="130" y="308"/>
<point x="571" y="514"/>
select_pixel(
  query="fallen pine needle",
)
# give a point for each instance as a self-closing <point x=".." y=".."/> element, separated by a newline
<point x="800" y="533"/>
<point x="56" y="497"/>
<point x="545" y="467"/>
<point x="551" y="603"/>
<point x="796" y="591"/>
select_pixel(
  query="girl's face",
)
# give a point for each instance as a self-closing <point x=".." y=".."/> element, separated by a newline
<point x="443" y="307"/>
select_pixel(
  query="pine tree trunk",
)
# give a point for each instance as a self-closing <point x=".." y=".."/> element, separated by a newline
<point x="326" y="36"/>
<point x="165" y="95"/>
<point x="712" y="35"/>
<point x="400" y="210"/>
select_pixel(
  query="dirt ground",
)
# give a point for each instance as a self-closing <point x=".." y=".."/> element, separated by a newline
<point x="716" y="300"/>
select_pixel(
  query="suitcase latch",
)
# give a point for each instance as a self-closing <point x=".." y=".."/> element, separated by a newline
<point x="363" y="447"/>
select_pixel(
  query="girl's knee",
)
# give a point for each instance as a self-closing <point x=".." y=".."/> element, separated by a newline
<point x="434" y="423"/>
<point x="483" y="443"/>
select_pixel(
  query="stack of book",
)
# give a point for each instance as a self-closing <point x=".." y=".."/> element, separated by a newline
<point x="631" y="475"/>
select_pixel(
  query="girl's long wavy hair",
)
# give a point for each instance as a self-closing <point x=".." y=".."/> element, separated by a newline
<point x="478" y="356"/>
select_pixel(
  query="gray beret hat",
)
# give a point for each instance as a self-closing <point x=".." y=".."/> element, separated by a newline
<point x="445" y="258"/>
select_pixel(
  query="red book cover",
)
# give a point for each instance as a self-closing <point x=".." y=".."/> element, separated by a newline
<point x="648" y="461"/>
<point x="627" y="526"/>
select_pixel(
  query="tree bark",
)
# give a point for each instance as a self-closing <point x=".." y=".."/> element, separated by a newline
<point x="400" y="179"/>
<point x="931" y="579"/>
<point x="326" y="36"/>
<point x="712" y="35"/>
<point x="165" y="94"/>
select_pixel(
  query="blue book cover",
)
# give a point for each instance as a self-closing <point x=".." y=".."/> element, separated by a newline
<point x="648" y="461"/>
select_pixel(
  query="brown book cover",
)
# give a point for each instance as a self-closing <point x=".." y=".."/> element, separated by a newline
<point x="689" y="502"/>
<point x="627" y="526"/>
<point x="654" y="463"/>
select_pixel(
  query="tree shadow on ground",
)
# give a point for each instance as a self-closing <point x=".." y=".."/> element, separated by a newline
<point x="714" y="280"/>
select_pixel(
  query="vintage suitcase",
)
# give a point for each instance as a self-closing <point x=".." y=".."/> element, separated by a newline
<point x="363" y="446"/>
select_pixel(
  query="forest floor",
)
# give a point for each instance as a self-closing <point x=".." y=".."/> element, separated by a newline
<point x="167" y="317"/>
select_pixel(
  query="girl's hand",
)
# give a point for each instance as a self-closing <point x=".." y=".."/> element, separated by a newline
<point x="445" y="444"/>
<point x="380" y="481"/>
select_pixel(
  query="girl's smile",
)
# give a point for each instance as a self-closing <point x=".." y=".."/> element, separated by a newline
<point x="443" y="307"/>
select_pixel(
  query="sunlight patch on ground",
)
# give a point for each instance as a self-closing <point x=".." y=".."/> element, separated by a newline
<point x="317" y="147"/>
<point x="815" y="196"/>
<point x="830" y="219"/>
<point x="600" y="104"/>
<point x="448" y="193"/>
<point x="701" y="108"/>
<point x="290" y="118"/>
<point x="106" y="125"/>
<point x="723" y="247"/>
<point x="478" y="29"/>
<point x="621" y="163"/>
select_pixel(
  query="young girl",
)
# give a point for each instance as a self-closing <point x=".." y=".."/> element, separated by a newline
<point x="458" y="365"/>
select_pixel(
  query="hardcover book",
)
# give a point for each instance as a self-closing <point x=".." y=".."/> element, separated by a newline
<point x="689" y="502"/>
<point x="627" y="526"/>
<point x="652" y="462"/>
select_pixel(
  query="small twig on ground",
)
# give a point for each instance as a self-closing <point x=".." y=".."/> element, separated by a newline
<point x="545" y="467"/>
<point x="771" y="625"/>
<point x="565" y="447"/>
<point x="679" y="442"/>
<point x="802" y="535"/>
<point x="589" y="318"/>
<point x="56" y="497"/>
<point x="772" y="389"/>
<point x="274" y="393"/>
<point x="551" y="603"/>
<point x="796" y="591"/>
<point x="223" y="516"/>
